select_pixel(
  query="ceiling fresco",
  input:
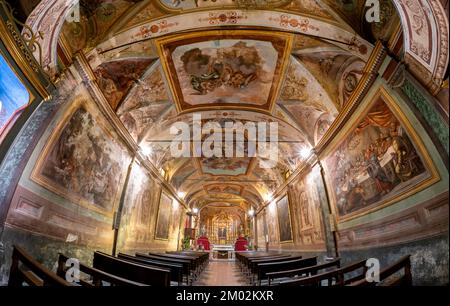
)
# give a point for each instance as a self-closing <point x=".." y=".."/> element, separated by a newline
<point x="225" y="68"/>
<point x="299" y="71"/>
<point x="230" y="189"/>
<point x="116" y="78"/>
<point x="96" y="18"/>
<point x="225" y="166"/>
<point x="353" y="13"/>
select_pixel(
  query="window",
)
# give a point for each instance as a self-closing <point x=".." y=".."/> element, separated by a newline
<point x="14" y="97"/>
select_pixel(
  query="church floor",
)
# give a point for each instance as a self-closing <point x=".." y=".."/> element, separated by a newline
<point x="221" y="273"/>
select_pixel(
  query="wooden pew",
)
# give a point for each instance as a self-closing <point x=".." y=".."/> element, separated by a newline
<point x="253" y="264"/>
<point x="95" y="277"/>
<point x="202" y="256"/>
<point x="241" y="256"/>
<point x="332" y="278"/>
<point x="26" y="270"/>
<point x="145" y="274"/>
<point x="405" y="279"/>
<point x="246" y="260"/>
<point x="303" y="272"/>
<point x="188" y="268"/>
<point x="198" y="260"/>
<point x="195" y="262"/>
<point x="176" y="270"/>
<point x="262" y="269"/>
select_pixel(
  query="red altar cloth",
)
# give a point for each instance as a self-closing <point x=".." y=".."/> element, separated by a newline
<point x="203" y="241"/>
<point x="241" y="244"/>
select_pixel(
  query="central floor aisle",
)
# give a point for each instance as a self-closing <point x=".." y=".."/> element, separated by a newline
<point x="221" y="273"/>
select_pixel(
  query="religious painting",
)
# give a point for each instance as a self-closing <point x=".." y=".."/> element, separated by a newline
<point x="116" y="78"/>
<point x="272" y="226"/>
<point x="182" y="174"/>
<point x="164" y="217"/>
<point x="284" y="220"/>
<point x="177" y="209"/>
<point x="14" y="96"/>
<point x="305" y="204"/>
<point x="82" y="160"/>
<point x="228" y="68"/>
<point x="261" y="231"/>
<point x="380" y="161"/>
<point x="145" y="103"/>
<point x="224" y="188"/>
<point x="139" y="202"/>
<point x="192" y="4"/>
<point x="225" y="166"/>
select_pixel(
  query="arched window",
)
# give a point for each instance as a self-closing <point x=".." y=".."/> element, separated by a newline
<point x="14" y="97"/>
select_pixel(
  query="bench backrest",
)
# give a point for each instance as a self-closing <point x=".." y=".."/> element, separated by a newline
<point x="308" y="271"/>
<point x="96" y="277"/>
<point x="145" y="274"/>
<point x="176" y="270"/>
<point x="332" y="278"/>
<point x="26" y="270"/>
<point x="405" y="279"/>
<point x="264" y="268"/>
<point x="187" y="264"/>
<point x="274" y="259"/>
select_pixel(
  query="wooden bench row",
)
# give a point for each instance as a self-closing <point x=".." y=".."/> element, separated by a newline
<point x="142" y="270"/>
<point x="294" y="271"/>
<point x="257" y="266"/>
<point x="124" y="270"/>
<point x="396" y="274"/>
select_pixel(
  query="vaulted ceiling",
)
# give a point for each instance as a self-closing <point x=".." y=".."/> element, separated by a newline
<point x="154" y="73"/>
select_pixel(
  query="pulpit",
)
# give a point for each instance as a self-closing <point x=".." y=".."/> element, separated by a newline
<point x="241" y="244"/>
<point x="203" y="242"/>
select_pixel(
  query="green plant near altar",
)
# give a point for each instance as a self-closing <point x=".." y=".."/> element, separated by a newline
<point x="186" y="243"/>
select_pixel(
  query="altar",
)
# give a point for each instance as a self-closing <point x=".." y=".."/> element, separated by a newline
<point x="223" y="251"/>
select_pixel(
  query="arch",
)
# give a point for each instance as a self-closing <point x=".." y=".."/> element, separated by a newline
<point x="422" y="31"/>
<point x="47" y="19"/>
<point x="425" y="29"/>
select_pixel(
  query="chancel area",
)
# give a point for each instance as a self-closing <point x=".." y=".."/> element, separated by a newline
<point x="224" y="143"/>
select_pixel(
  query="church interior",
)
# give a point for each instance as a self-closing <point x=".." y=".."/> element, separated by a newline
<point x="316" y="153"/>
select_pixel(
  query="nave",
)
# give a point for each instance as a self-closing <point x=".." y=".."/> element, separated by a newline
<point x="196" y="269"/>
<point x="185" y="143"/>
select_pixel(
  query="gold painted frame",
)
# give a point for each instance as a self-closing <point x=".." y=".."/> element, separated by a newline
<point x="19" y="77"/>
<point x="433" y="174"/>
<point x="251" y="165"/>
<point x="207" y="187"/>
<point x="162" y="192"/>
<point x="24" y="59"/>
<point x="202" y="36"/>
<point x="36" y="176"/>
<point x="286" y="196"/>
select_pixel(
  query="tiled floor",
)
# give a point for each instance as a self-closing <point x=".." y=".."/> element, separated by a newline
<point x="221" y="273"/>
